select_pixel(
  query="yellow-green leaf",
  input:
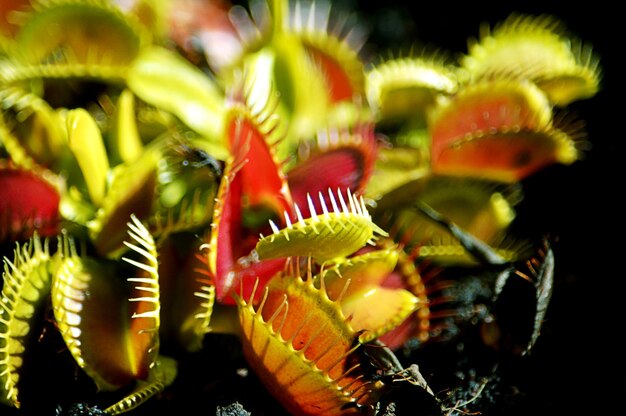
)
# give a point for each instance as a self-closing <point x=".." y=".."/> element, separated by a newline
<point x="125" y="140"/>
<point x="86" y="143"/>
<point x="87" y="33"/>
<point x="405" y="88"/>
<point x="93" y="330"/>
<point x="336" y="233"/>
<point x="132" y="189"/>
<point x="26" y="285"/>
<point x="363" y="271"/>
<point x="393" y="306"/>
<point x="161" y="375"/>
<point x="534" y="47"/>
<point x="164" y="79"/>
<point x="110" y="326"/>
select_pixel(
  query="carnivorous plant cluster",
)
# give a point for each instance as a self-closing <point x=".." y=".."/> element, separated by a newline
<point x="174" y="168"/>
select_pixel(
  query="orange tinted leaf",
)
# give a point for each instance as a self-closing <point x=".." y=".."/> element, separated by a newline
<point x="298" y="343"/>
<point x="499" y="130"/>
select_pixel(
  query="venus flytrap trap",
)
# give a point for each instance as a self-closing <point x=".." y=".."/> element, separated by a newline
<point x="335" y="215"/>
<point x="83" y="294"/>
<point x="26" y="279"/>
<point x="334" y="233"/>
<point x="566" y="69"/>
<point x="299" y="339"/>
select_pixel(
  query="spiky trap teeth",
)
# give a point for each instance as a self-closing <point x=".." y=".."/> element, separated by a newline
<point x="299" y="341"/>
<point x="334" y="233"/>
<point x="135" y="180"/>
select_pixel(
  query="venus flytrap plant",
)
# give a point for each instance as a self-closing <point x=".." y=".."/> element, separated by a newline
<point x="299" y="340"/>
<point x="26" y="279"/>
<point x="564" y="68"/>
<point x="326" y="211"/>
<point x="283" y="41"/>
<point x="83" y="295"/>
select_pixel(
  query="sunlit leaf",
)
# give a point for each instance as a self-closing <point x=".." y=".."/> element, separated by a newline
<point x="298" y="343"/>
<point x="93" y="331"/>
<point x="26" y="285"/>
<point x="164" y="79"/>
<point x="80" y="32"/>
<point x="500" y="130"/>
<point x="537" y="48"/>
<point x="335" y="233"/>
<point x="131" y="191"/>
<point x="125" y="141"/>
<point x="85" y="141"/>
<point x="404" y="89"/>
<point x="109" y="325"/>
